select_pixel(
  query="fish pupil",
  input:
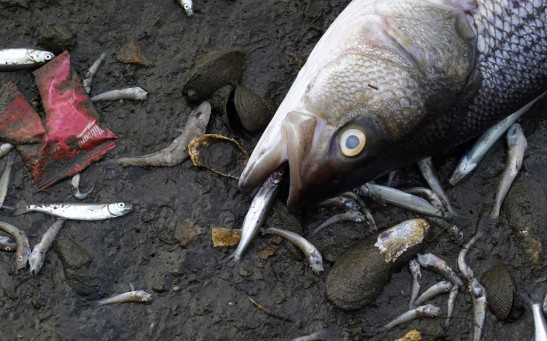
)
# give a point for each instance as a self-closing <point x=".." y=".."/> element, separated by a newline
<point x="352" y="142"/>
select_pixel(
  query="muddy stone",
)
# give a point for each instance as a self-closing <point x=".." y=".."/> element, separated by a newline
<point x="130" y="52"/>
<point x="56" y="38"/>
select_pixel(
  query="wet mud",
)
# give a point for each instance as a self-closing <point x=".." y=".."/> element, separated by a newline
<point x="164" y="247"/>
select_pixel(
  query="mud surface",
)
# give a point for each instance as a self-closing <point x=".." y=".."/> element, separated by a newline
<point x="165" y="245"/>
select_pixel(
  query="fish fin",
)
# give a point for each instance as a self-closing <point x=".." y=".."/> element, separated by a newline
<point x="20" y="208"/>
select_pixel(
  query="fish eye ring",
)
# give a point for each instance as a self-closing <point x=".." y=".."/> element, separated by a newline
<point x="352" y="142"/>
<point x="48" y="56"/>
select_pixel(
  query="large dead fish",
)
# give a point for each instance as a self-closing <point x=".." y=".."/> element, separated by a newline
<point x="394" y="81"/>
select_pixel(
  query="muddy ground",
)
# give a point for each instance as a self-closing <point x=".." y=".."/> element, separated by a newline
<point x="93" y="260"/>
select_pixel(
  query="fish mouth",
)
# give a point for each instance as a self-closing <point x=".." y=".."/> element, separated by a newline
<point x="292" y="144"/>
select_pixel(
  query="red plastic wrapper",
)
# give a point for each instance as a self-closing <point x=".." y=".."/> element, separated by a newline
<point x="74" y="139"/>
<point x="19" y="123"/>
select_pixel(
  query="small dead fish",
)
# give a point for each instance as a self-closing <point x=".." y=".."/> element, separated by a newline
<point x="91" y="72"/>
<point x="4" y="179"/>
<point x="77" y="211"/>
<point x="434" y="263"/>
<point x="7" y="244"/>
<point x="517" y="146"/>
<point x="75" y="182"/>
<point x="187" y="6"/>
<point x="388" y="195"/>
<point x="23" y="246"/>
<point x="22" y="59"/>
<point x="430" y="176"/>
<point x="5" y="148"/>
<point x="351" y="216"/>
<point x="451" y="302"/>
<point x="416" y="273"/>
<point x="540" y="327"/>
<point x="479" y="308"/>
<point x="257" y="212"/>
<point x="177" y="151"/>
<point x="139" y="296"/>
<point x="442" y="287"/>
<point x="38" y="255"/>
<point x="422" y="311"/>
<point x="311" y="252"/>
<point x="470" y="160"/>
<point x="134" y="94"/>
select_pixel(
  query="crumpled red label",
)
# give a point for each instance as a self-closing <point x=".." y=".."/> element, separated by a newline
<point x="74" y="139"/>
<point x="19" y="123"/>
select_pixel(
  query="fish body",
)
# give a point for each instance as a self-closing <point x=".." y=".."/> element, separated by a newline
<point x="442" y="287"/>
<point x="257" y="212"/>
<point x="139" y="296"/>
<point x="23" y="246"/>
<point x="479" y="308"/>
<point x="21" y="59"/>
<point x="312" y="254"/>
<point x="540" y="327"/>
<point x="135" y="94"/>
<point x="77" y="211"/>
<point x="188" y="7"/>
<point x="5" y="148"/>
<point x="394" y="81"/>
<point x="38" y="254"/>
<point x="421" y="311"/>
<point x="434" y="263"/>
<point x="4" y="179"/>
<point x="416" y="273"/>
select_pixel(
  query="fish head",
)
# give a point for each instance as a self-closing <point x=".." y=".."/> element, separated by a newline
<point x="369" y="88"/>
<point x="40" y="56"/>
<point x="316" y="262"/>
<point x="120" y="208"/>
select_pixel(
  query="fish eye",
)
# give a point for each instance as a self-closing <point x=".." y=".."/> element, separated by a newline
<point x="48" y="56"/>
<point x="352" y="142"/>
<point x="186" y="6"/>
<point x="121" y="204"/>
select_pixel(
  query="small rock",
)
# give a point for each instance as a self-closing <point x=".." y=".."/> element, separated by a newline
<point x="186" y="231"/>
<point x="131" y="53"/>
<point x="47" y="336"/>
<point x="177" y="288"/>
<point x="57" y="37"/>
<point x="159" y="288"/>
<point x="176" y="273"/>
<point x="266" y="253"/>
<point x="276" y="240"/>
<point x="245" y="273"/>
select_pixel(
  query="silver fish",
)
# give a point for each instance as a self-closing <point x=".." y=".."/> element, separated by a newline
<point x="135" y="94"/>
<point x="442" y="287"/>
<point x="419" y="312"/>
<point x="312" y="254"/>
<point x="187" y="6"/>
<point x="431" y="196"/>
<point x="472" y="158"/>
<point x="257" y="212"/>
<point x="323" y="334"/>
<point x="545" y="305"/>
<point x="139" y="296"/>
<point x="4" y="179"/>
<point x="77" y="211"/>
<point x="540" y="327"/>
<point x="416" y="273"/>
<point x="38" y="254"/>
<point x="91" y="72"/>
<point x="23" y="246"/>
<point x="75" y="182"/>
<point x="450" y="304"/>
<point x="388" y="195"/>
<point x="434" y="263"/>
<point x="5" y="148"/>
<point x="7" y="244"/>
<point x="351" y="216"/>
<point x="379" y="91"/>
<point x="430" y="176"/>
<point x="517" y="145"/>
<point x="177" y="151"/>
<point x="479" y="308"/>
<point x="21" y="59"/>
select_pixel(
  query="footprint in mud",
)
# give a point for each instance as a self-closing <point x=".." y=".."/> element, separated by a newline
<point x="166" y="219"/>
<point x="76" y="260"/>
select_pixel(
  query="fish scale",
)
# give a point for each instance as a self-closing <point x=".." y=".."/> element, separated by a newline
<point x="416" y="77"/>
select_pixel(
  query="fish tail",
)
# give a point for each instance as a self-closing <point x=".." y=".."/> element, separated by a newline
<point x="20" y="208"/>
